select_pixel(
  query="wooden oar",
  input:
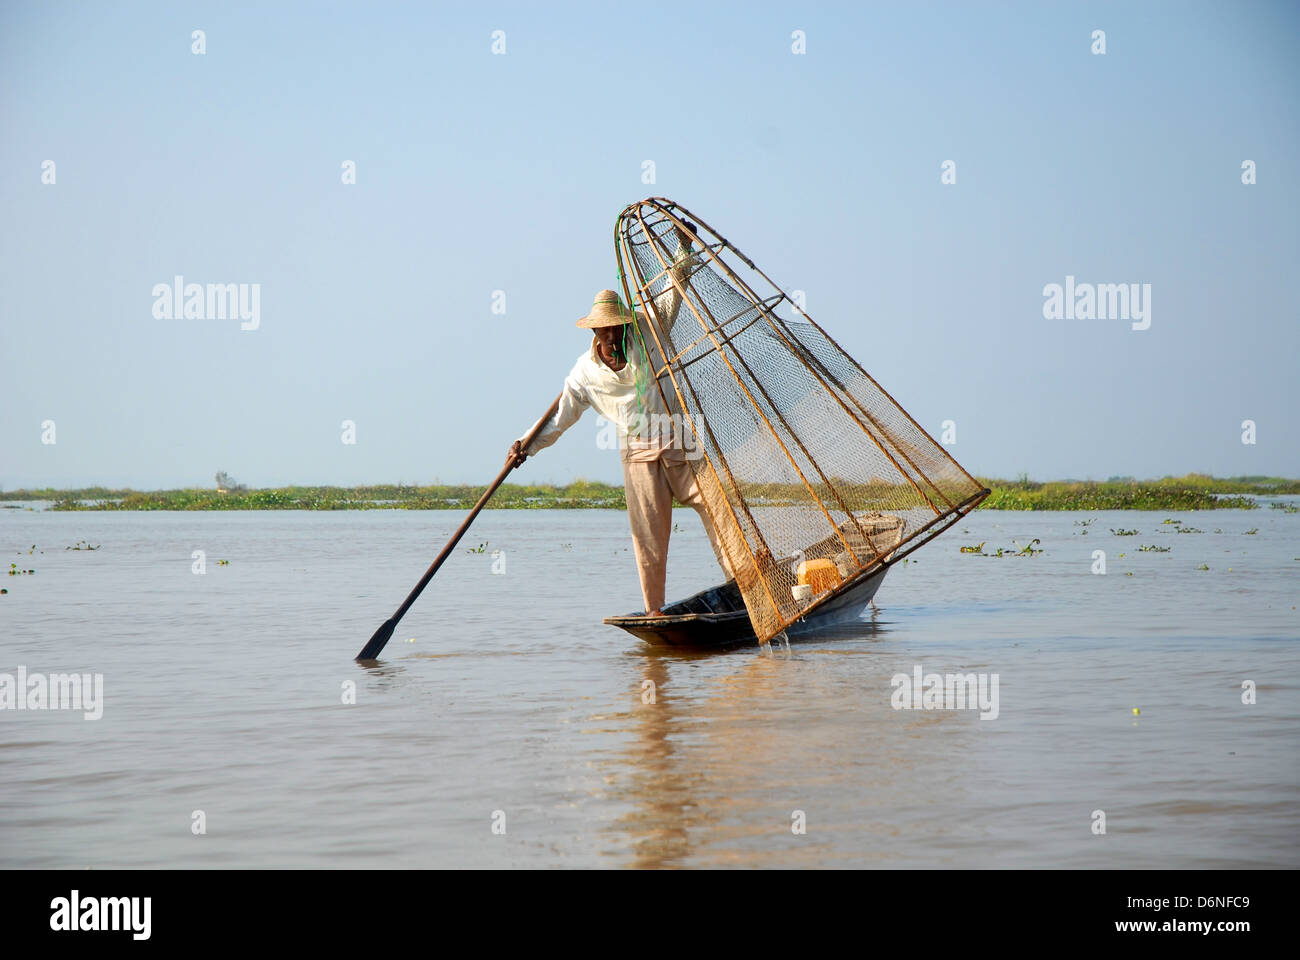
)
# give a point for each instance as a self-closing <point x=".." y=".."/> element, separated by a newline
<point x="371" y="650"/>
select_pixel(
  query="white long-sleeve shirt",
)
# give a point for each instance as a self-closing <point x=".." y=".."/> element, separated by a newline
<point x="613" y="393"/>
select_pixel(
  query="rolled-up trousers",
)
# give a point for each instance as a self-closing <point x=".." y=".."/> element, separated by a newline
<point x="650" y="486"/>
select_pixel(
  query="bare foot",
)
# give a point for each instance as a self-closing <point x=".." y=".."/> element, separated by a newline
<point x="656" y="613"/>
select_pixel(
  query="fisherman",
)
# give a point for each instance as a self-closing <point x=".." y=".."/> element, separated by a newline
<point x="614" y="378"/>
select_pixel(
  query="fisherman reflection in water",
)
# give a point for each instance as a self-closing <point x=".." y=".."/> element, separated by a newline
<point x="614" y="378"/>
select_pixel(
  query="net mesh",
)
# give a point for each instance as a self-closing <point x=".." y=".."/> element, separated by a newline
<point x="799" y="453"/>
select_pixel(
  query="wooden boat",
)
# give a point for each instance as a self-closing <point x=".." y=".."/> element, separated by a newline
<point x="716" y="618"/>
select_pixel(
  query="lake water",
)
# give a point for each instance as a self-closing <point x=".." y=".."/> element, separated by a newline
<point x="503" y="700"/>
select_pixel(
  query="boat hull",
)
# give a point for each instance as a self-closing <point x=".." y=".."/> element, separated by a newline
<point x="716" y="618"/>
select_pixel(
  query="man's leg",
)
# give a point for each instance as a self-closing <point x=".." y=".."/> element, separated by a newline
<point x="681" y="481"/>
<point x="650" y="515"/>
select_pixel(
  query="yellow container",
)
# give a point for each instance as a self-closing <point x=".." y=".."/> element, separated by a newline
<point x="819" y="574"/>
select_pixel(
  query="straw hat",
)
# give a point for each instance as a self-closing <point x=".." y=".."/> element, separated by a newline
<point x="607" y="310"/>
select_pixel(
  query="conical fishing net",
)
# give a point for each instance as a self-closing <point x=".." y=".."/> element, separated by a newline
<point x="800" y="454"/>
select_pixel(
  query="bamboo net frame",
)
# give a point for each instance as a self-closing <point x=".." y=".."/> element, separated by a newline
<point x="805" y="455"/>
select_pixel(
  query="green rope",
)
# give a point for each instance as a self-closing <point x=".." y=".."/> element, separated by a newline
<point x="641" y="380"/>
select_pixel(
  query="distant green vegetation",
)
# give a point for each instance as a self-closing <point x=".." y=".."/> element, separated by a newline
<point x="1196" y="491"/>
<point x="581" y="493"/>
<point x="1192" y="492"/>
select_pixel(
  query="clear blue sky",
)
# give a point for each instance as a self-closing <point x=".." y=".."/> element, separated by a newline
<point x="478" y="172"/>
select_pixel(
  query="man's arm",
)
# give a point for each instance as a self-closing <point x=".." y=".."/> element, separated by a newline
<point x="573" y="401"/>
<point x="669" y="303"/>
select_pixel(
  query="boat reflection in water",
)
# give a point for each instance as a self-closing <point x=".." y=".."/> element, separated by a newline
<point x="699" y="771"/>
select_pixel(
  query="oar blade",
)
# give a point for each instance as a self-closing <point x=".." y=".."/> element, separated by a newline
<point x="376" y="644"/>
<point x="385" y="633"/>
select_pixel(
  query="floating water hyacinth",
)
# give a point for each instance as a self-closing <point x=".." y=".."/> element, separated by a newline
<point x="1121" y="532"/>
<point x="1027" y="550"/>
